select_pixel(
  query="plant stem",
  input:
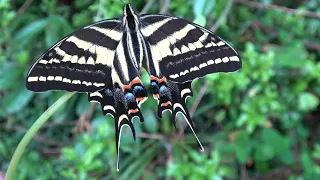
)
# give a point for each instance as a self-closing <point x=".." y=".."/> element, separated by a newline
<point x="31" y="132"/>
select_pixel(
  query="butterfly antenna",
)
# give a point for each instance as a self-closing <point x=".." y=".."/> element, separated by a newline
<point x="122" y="2"/>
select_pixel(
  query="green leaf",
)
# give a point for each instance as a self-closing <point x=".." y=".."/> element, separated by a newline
<point x="286" y="157"/>
<point x="69" y="154"/>
<point x="198" y="7"/>
<point x="201" y="20"/>
<point x="68" y="173"/>
<point x="92" y="152"/>
<point x="203" y="7"/>
<point x="8" y="78"/>
<point x="22" y="57"/>
<point x="83" y="104"/>
<point x="209" y="6"/>
<point x="316" y="153"/>
<point x="148" y="174"/>
<point x="243" y="147"/>
<point x="293" y="56"/>
<point x="17" y="99"/>
<point x="264" y="152"/>
<point x="308" y="101"/>
<point x="275" y="140"/>
<point x="307" y="163"/>
<point x="58" y="27"/>
<point x="95" y="165"/>
<point x="31" y="30"/>
<point x="151" y="121"/>
<point x="145" y="157"/>
<point x="221" y="115"/>
<point x="3" y="149"/>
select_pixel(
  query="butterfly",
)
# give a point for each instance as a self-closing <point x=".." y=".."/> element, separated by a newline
<point x="104" y="59"/>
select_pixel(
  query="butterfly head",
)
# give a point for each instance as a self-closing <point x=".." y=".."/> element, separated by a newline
<point x="130" y="18"/>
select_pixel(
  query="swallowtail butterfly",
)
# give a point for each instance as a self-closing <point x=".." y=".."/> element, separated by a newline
<point x="104" y="60"/>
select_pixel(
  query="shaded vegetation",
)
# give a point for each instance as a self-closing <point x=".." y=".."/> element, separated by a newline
<point x="261" y="122"/>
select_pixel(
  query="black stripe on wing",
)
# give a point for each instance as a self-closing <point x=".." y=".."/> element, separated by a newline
<point x="187" y="52"/>
<point x="81" y="62"/>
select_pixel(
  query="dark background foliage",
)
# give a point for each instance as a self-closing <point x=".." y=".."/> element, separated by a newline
<point x="261" y="122"/>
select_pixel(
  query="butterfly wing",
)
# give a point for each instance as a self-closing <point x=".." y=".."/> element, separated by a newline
<point x="177" y="52"/>
<point x="95" y="59"/>
<point x="183" y="51"/>
<point x="82" y="61"/>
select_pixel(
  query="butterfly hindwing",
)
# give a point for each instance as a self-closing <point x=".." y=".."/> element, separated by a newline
<point x="123" y="105"/>
<point x="81" y="62"/>
<point x="183" y="51"/>
<point x="122" y="98"/>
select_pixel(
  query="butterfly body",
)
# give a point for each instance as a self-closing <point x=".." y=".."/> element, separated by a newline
<point x="105" y="59"/>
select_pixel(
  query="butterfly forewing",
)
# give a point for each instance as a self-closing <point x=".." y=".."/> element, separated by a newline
<point x="183" y="51"/>
<point x="80" y="62"/>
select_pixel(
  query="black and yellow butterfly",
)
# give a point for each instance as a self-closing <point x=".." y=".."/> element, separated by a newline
<point x="104" y="60"/>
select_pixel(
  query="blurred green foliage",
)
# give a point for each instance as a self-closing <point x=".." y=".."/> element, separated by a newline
<point x="259" y="122"/>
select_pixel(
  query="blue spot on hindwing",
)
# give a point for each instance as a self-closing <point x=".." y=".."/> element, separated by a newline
<point x="163" y="89"/>
<point x="137" y="88"/>
<point x="130" y="97"/>
<point x="154" y="84"/>
<point x="164" y="92"/>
